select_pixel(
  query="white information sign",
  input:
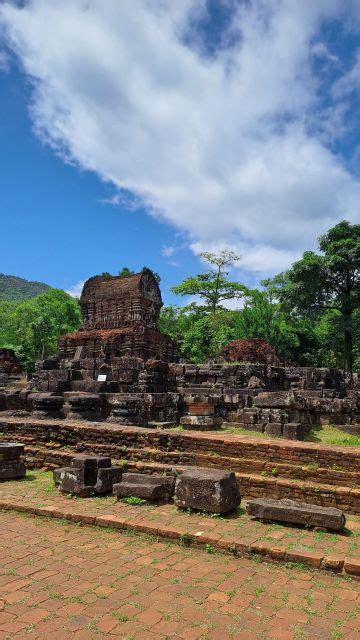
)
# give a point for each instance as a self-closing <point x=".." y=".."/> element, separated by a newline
<point x="101" y="378"/>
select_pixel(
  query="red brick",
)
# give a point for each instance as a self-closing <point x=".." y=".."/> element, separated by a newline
<point x="352" y="566"/>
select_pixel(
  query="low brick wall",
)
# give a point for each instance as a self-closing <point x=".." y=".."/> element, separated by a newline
<point x="115" y="438"/>
<point x="315" y="473"/>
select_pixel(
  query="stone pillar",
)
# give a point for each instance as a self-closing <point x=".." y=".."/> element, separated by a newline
<point x="200" y="413"/>
<point x="11" y="465"/>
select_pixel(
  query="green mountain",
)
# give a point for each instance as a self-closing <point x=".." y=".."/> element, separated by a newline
<point x="17" y="289"/>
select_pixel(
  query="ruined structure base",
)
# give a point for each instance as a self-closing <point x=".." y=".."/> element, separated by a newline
<point x="308" y="472"/>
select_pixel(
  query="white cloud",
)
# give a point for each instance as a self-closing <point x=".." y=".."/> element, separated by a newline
<point x="168" y="251"/>
<point x="76" y="289"/>
<point x="219" y="147"/>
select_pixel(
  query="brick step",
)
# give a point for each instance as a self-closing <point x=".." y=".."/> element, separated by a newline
<point x="333" y="465"/>
<point x="251" y="485"/>
<point x="316" y="474"/>
<point x="114" y="437"/>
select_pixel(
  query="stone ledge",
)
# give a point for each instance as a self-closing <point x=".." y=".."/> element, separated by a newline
<point x="339" y="564"/>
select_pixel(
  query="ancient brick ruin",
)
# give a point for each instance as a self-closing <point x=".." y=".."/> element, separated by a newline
<point x="250" y="350"/>
<point x="10" y="368"/>
<point x="119" y="368"/>
<point x="119" y="314"/>
<point x="117" y="389"/>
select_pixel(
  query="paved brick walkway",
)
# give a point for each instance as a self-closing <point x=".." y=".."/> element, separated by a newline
<point x="305" y="545"/>
<point x="59" y="581"/>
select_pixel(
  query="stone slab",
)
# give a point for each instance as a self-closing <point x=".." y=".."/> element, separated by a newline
<point x="147" y="487"/>
<point x="294" y="512"/>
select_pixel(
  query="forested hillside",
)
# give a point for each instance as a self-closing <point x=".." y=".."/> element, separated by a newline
<point x="17" y="289"/>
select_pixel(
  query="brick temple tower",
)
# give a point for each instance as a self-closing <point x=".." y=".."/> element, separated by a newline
<point x="120" y="315"/>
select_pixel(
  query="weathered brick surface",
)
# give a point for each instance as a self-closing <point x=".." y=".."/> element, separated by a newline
<point x="88" y="582"/>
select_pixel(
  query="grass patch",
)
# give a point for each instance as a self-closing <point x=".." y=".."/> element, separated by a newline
<point x="328" y="434"/>
<point x="133" y="500"/>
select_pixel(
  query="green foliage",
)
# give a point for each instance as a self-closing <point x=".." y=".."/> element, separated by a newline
<point x="326" y="282"/>
<point x="212" y="287"/>
<point x="32" y="328"/>
<point x="200" y="335"/>
<point x="134" y="501"/>
<point x="17" y="289"/>
<point x="305" y="334"/>
<point x="125" y="271"/>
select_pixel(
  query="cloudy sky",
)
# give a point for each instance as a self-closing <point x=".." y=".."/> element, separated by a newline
<point x="140" y="132"/>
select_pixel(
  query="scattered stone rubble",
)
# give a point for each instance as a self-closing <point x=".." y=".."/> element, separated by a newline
<point x="300" y="513"/>
<point x="11" y="463"/>
<point x="87" y="475"/>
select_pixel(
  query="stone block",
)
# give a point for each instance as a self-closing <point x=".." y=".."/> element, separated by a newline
<point x="292" y="431"/>
<point x="200" y="423"/>
<point x="72" y="480"/>
<point x="274" y="429"/>
<point x="275" y="399"/>
<point x="207" y="490"/>
<point x="200" y="410"/>
<point x="11" y="451"/>
<point x="46" y="405"/>
<point x="87" y="475"/>
<point x="90" y="466"/>
<point x="12" y="469"/>
<point x="83" y="406"/>
<point x="11" y="466"/>
<point x="106" y="478"/>
<point x="151" y="488"/>
<point x="293" y="512"/>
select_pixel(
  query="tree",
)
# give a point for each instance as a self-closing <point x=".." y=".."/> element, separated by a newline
<point x="329" y="281"/>
<point x="199" y="335"/>
<point x="213" y="286"/>
<point x="32" y="328"/>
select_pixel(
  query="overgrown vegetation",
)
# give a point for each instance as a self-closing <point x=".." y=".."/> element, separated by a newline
<point x="32" y="327"/>
<point x="310" y="314"/>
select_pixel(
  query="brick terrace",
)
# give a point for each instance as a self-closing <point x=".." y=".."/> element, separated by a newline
<point x="61" y="581"/>
<point x="315" y="473"/>
<point x="38" y="494"/>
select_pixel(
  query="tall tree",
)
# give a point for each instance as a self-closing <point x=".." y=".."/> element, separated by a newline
<point x="213" y="286"/>
<point x="327" y="281"/>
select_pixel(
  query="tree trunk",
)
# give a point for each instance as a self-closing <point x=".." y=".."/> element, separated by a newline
<point x="348" y="345"/>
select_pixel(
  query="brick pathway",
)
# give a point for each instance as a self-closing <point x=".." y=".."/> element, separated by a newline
<point x="306" y="545"/>
<point x="59" y="581"/>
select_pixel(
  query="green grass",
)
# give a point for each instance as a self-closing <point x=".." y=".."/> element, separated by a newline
<point x="328" y="434"/>
<point x="230" y="428"/>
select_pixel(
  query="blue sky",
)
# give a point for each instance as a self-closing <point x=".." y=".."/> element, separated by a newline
<point x="140" y="133"/>
<point x="56" y="227"/>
